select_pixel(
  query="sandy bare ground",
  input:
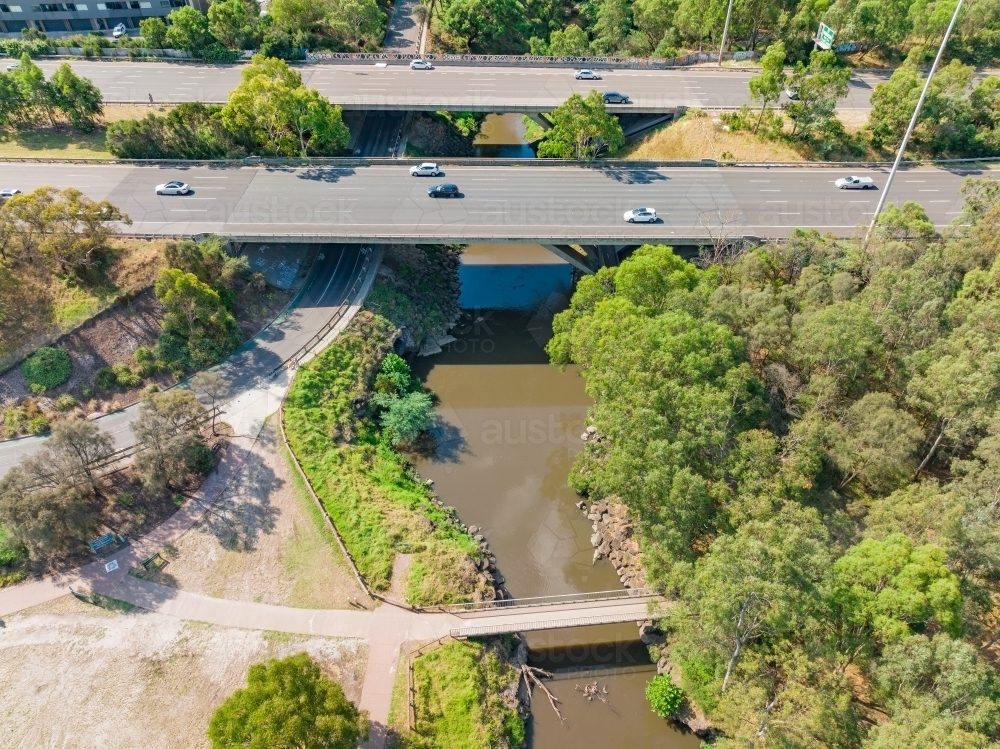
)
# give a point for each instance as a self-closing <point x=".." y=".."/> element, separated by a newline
<point x="75" y="675"/>
<point x="263" y="541"/>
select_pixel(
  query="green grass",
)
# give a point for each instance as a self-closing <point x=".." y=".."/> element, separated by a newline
<point x="113" y="604"/>
<point x="368" y="489"/>
<point x="55" y="143"/>
<point x="458" y="699"/>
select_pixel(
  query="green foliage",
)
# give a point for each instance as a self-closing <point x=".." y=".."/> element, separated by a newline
<point x="187" y="29"/>
<point x="77" y="98"/>
<point x="47" y="368"/>
<point x="235" y="23"/>
<point x="371" y="496"/>
<point x="198" y="329"/>
<point x="272" y="114"/>
<point x="286" y="704"/>
<point x="664" y="697"/>
<point x="154" y="32"/>
<point x="581" y="128"/>
<point x="66" y="402"/>
<point x="405" y="417"/>
<point x="808" y="438"/>
<point x="27" y="99"/>
<point x="11" y="553"/>
<point x="105" y="379"/>
<point x="459" y="699"/>
<point x="188" y="131"/>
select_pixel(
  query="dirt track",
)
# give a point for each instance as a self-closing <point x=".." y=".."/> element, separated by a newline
<point x="75" y="675"/>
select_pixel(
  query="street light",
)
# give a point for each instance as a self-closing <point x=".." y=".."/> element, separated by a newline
<point x="913" y="123"/>
<point x="725" y="31"/>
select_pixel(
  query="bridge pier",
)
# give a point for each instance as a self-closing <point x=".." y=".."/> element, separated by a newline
<point x="589" y="258"/>
<point x="540" y="119"/>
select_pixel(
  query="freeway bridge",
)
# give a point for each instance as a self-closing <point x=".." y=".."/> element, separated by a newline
<point x="522" y="89"/>
<point x="555" y="205"/>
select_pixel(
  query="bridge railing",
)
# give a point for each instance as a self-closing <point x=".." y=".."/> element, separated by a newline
<point x="540" y="601"/>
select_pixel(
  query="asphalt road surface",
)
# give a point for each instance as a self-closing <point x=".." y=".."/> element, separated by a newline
<point x="547" y="204"/>
<point x="513" y="89"/>
<point x="326" y="288"/>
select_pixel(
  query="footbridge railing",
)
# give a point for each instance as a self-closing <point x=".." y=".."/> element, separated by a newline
<point x="506" y="604"/>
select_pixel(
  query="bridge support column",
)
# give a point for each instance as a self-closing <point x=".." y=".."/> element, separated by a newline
<point x="579" y="260"/>
<point x="602" y="255"/>
<point x="544" y="123"/>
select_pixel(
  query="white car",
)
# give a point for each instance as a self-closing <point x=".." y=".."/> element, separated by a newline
<point x="855" y="183"/>
<point x="425" y="170"/>
<point x="119" y="31"/>
<point x="173" y="188"/>
<point x="419" y="64"/>
<point x="12" y="66"/>
<point x="640" y="215"/>
<point x="587" y="75"/>
<point x="9" y="193"/>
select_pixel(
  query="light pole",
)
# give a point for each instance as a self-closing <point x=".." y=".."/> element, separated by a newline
<point x="725" y="31"/>
<point x="913" y="124"/>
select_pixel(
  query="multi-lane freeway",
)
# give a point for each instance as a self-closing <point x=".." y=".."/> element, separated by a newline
<point x="485" y="89"/>
<point x="549" y="204"/>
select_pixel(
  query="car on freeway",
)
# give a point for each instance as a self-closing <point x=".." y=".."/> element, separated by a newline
<point x="173" y="188"/>
<point x="9" y="192"/>
<point x="792" y="93"/>
<point x="855" y="183"/>
<point x="427" y="169"/>
<point x="587" y="75"/>
<point x="640" y="216"/>
<point x="419" y="64"/>
<point x="446" y="190"/>
<point x="12" y="66"/>
<point x="119" y="31"/>
<point x="613" y="97"/>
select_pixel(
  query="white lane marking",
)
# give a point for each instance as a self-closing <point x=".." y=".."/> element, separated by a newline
<point x="928" y="191"/>
<point x="912" y="181"/>
<point x="770" y="190"/>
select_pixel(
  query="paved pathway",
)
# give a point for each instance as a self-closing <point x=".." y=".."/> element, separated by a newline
<point x="403" y="32"/>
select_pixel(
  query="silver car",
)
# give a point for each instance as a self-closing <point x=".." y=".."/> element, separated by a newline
<point x="427" y="169"/>
<point x="640" y="216"/>
<point x="855" y="183"/>
<point x="173" y="188"/>
<point x="9" y="192"/>
<point x="587" y="75"/>
<point x="420" y="65"/>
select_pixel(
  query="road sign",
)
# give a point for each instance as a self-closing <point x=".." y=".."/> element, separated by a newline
<point x="824" y="37"/>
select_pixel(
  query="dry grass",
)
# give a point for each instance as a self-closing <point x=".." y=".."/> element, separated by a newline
<point x="698" y="136"/>
<point x="81" y="676"/>
<point x="65" y="142"/>
<point x="264" y="540"/>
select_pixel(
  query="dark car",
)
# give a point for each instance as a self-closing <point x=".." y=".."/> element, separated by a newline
<point x="443" y="191"/>
<point x="613" y="97"/>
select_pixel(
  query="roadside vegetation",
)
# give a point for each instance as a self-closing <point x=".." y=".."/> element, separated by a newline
<point x="959" y="119"/>
<point x="807" y="434"/>
<point x="466" y="698"/>
<point x="270" y="113"/>
<point x="666" y="28"/>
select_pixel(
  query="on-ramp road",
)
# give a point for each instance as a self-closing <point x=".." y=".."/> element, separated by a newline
<point x="541" y="203"/>
<point x="486" y="89"/>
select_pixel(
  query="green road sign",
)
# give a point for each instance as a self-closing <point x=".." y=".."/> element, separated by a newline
<point x="824" y="37"/>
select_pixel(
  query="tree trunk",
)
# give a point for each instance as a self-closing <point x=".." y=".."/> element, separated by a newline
<point x="732" y="663"/>
<point x="934" y="447"/>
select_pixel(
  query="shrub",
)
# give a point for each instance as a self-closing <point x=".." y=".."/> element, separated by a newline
<point x="664" y="696"/>
<point x="146" y="360"/>
<point x="126" y="376"/>
<point x="11" y="552"/>
<point x="13" y="421"/>
<point x="198" y="458"/>
<point x="105" y="379"/>
<point x="47" y="368"/>
<point x="38" y="425"/>
<point x="65" y="402"/>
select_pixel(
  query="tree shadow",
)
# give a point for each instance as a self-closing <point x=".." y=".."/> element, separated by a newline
<point x="326" y="174"/>
<point x="244" y="512"/>
<point x="443" y="443"/>
<point x="631" y="176"/>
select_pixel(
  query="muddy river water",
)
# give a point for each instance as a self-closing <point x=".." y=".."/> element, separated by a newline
<point x="508" y="431"/>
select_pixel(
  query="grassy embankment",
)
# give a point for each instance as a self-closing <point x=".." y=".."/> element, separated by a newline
<point x="459" y="699"/>
<point x="379" y="506"/>
<point x="700" y="136"/>
<point x="65" y="142"/>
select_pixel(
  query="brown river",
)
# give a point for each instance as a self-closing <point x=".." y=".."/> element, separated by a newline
<point x="509" y="427"/>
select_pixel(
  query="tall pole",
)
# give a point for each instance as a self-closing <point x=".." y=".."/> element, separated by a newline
<point x="913" y="123"/>
<point x="725" y="31"/>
